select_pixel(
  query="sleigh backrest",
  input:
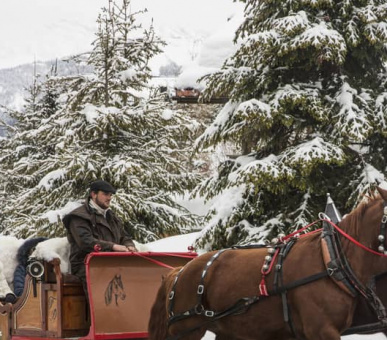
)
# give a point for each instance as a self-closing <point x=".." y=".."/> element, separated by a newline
<point x="126" y="309"/>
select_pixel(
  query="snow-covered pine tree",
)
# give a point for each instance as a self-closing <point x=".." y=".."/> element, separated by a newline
<point x="307" y="110"/>
<point x="49" y="102"/>
<point x="22" y="153"/>
<point x="31" y="106"/>
<point x="112" y="126"/>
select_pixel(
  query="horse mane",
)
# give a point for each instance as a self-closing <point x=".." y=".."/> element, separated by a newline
<point x="108" y="293"/>
<point x="158" y="322"/>
<point x="351" y="220"/>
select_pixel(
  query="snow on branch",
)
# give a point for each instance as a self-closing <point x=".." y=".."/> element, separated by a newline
<point x="307" y="96"/>
<point x="367" y="14"/>
<point x="254" y="108"/>
<point x="368" y="176"/>
<point x="352" y="117"/>
<point x="220" y="121"/>
<point x="380" y="110"/>
<point x="292" y="23"/>
<point x="264" y="39"/>
<point x="261" y="171"/>
<point x="314" y="151"/>
<point x="48" y="180"/>
<point x="329" y="41"/>
<point x="352" y="33"/>
<point x="233" y="119"/>
<point x="376" y="32"/>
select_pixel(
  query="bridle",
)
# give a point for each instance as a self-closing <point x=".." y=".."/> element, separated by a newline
<point x="382" y="233"/>
<point x="381" y="237"/>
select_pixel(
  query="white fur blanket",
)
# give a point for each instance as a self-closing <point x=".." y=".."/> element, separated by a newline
<point x="8" y="262"/>
<point x="46" y="250"/>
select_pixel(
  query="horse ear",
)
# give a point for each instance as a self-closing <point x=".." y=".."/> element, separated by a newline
<point x="382" y="193"/>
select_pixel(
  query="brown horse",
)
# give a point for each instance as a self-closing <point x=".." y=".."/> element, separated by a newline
<point x="320" y="309"/>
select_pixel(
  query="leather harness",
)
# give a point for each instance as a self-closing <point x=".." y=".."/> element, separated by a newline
<point x="337" y="268"/>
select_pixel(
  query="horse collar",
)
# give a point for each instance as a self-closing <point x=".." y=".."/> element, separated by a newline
<point x="340" y="271"/>
<point x="336" y="264"/>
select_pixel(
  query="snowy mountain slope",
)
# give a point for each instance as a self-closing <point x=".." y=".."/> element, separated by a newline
<point x="14" y="81"/>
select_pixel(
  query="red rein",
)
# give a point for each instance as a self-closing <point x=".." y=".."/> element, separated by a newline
<point x="350" y="238"/>
<point x="262" y="286"/>
<point x="342" y="232"/>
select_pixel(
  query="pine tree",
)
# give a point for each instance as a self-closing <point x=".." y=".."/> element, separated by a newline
<point x="17" y="165"/>
<point x="112" y="126"/>
<point x="307" y="112"/>
<point x="31" y="106"/>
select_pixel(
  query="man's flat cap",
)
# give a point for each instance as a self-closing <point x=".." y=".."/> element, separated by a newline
<point x="102" y="186"/>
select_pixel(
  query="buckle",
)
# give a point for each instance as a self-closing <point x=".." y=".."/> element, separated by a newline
<point x="209" y="313"/>
<point x="200" y="289"/>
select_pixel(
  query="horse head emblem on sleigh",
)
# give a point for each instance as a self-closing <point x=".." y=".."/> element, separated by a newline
<point x="115" y="289"/>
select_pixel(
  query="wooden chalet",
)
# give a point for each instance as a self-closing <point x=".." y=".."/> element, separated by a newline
<point x="190" y="95"/>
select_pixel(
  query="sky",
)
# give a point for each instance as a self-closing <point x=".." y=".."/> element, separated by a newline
<point x="200" y="31"/>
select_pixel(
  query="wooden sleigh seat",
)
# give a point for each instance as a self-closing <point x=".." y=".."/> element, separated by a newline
<point x="53" y="306"/>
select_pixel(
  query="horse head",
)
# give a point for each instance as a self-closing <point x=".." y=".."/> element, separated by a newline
<point x="118" y="288"/>
<point x="367" y="224"/>
<point x="115" y="288"/>
<point x="373" y="219"/>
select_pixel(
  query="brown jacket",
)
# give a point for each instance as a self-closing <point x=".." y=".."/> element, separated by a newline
<point x="87" y="229"/>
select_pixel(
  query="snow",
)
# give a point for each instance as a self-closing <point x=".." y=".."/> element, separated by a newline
<point x="47" y="181"/>
<point x="167" y="114"/>
<point x="221" y="119"/>
<point x="352" y="117"/>
<point x="54" y="215"/>
<point x="313" y="150"/>
<point x="179" y="243"/>
<point x="190" y="75"/>
<point x="199" y="36"/>
<point x="90" y="113"/>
